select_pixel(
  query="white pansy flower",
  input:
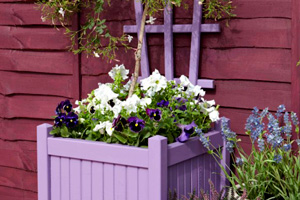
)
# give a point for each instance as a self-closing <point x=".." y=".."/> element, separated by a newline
<point x="107" y="125"/>
<point x="77" y="109"/>
<point x="62" y="12"/>
<point x="151" y="20"/>
<point x="116" y="110"/>
<point x="214" y="115"/>
<point x="154" y="83"/>
<point x="96" y="54"/>
<point x="129" y="38"/>
<point x="104" y="93"/>
<point x="119" y="69"/>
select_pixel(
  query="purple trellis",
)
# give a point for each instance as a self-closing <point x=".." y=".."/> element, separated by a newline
<point x="196" y="28"/>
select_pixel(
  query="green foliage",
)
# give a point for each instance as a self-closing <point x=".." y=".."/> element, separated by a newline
<point x="271" y="170"/>
<point x="94" y="37"/>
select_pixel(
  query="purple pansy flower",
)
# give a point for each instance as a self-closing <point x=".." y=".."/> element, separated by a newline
<point x="180" y="99"/>
<point x="92" y="110"/>
<point x="187" y="130"/>
<point x="163" y="103"/>
<point x="67" y="106"/>
<point x="60" y="119"/>
<point x="59" y="107"/>
<point x="182" y="108"/>
<point x="154" y="114"/>
<point x="119" y="123"/>
<point x="71" y="120"/>
<point x="136" y="124"/>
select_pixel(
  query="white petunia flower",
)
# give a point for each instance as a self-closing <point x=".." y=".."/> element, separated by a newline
<point x="145" y="102"/>
<point x="104" y="93"/>
<point x="127" y="85"/>
<point x="214" y="115"/>
<point x="43" y="19"/>
<point x="129" y="38"/>
<point x="119" y="69"/>
<point x="196" y="90"/>
<point x="81" y="120"/>
<point x="131" y="104"/>
<point x="96" y="54"/>
<point x="154" y="83"/>
<point x="77" y="110"/>
<point x="62" y="12"/>
<point x="151" y="20"/>
<point x="184" y="81"/>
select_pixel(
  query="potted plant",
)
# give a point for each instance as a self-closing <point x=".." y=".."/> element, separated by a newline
<point x="156" y="120"/>
<point x="154" y="117"/>
<point x="271" y="170"/>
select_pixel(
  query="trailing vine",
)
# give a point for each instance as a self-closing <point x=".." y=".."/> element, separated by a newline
<point x="93" y="36"/>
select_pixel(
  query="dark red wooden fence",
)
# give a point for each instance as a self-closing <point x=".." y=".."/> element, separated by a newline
<point x="252" y="63"/>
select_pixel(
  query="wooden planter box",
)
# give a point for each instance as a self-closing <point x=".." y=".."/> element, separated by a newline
<point x="73" y="169"/>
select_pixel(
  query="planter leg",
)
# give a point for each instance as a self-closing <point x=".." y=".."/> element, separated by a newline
<point x="158" y="174"/>
<point x="43" y="162"/>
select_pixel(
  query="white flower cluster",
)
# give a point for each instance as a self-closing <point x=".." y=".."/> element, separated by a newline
<point x="154" y="83"/>
<point x="119" y="69"/>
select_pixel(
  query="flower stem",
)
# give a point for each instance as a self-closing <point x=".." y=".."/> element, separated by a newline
<point x="138" y="53"/>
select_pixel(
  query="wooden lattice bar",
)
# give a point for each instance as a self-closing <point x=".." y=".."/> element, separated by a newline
<point x="196" y="28"/>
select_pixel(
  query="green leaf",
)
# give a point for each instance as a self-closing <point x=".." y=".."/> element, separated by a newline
<point x="64" y="132"/>
<point x="120" y="138"/>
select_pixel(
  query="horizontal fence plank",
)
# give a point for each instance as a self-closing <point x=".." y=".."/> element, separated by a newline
<point x="20" y="155"/>
<point x="20" y="129"/>
<point x="179" y="152"/>
<point x="90" y="83"/>
<point x="247" y="9"/>
<point x="90" y="150"/>
<point x="24" y="83"/>
<point x="20" y="14"/>
<point x="26" y="106"/>
<point x="265" y="32"/>
<point x="8" y="193"/>
<point x="32" y="61"/>
<point x="33" y="38"/>
<point x="20" y="179"/>
<point x="247" y="94"/>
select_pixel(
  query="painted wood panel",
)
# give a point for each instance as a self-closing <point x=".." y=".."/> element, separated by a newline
<point x="9" y="193"/>
<point x="37" y="62"/>
<point x="32" y="38"/>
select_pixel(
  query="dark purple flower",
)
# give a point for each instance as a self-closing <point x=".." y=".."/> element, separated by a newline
<point x="119" y="123"/>
<point x="60" y="119"/>
<point x="67" y="106"/>
<point x="180" y="99"/>
<point x="163" y="103"/>
<point x="59" y="107"/>
<point x="187" y="130"/>
<point x="182" y="108"/>
<point x="154" y="114"/>
<point x="71" y="120"/>
<point x="136" y="124"/>
<point x="92" y="110"/>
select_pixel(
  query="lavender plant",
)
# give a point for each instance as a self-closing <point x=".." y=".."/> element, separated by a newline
<point x="271" y="171"/>
<point x="158" y="107"/>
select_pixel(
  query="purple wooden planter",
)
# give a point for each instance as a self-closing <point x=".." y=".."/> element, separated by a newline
<point x="73" y="169"/>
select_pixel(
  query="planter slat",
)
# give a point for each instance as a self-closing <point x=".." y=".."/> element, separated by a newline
<point x="79" y="169"/>
<point x="55" y="178"/>
<point x="86" y="180"/>
<point x="75" y="179"/>
<point x="97" y="181"/>
<point x="65" y="178"/>
<point x="98" y="151"/>
<point x="132" y="183"/>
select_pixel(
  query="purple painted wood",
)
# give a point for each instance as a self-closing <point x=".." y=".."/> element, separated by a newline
<point x="65" y="178"/>
<point x="158" y="167"/>
<point x="97" y="181"/>
<point x="195" y="44"/>
<point x="86" y="180"/>
<point x="43" y="161"/>
<point x="55" y="178"/>
<point x="110" y="171"/>
<point x="168" y="40"/>
<point x="168" y="29"/>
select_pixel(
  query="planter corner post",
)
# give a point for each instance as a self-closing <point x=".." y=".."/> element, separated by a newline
<point x="43" y="161"/>
<point x="158" y="166"/>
